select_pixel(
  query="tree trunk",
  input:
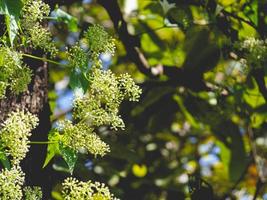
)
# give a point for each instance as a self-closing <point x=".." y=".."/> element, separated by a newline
<point x="34" y="100"/>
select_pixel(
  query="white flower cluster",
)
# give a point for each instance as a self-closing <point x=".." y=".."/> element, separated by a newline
<point x="74" y="189"/>
<point x="100" y="105"/>
<point x="80" y="136"/>
<point x="34" y="12"/>
<point x="255" y="51"/>
<point x="11" y="182"/>
<point x="14" y="136"/>
<point x="16" y="130"/>
<point x="32" y="193"/>
<point x="77" y="57"/>
<point x="99" y="41"/>
<point x="13" y="73"/>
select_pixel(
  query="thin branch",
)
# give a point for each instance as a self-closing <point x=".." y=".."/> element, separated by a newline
<point x="226" y="13"/>
<point x="242" y="176"/>
<point x="43" y="59"/>
<point x="259" y="186"/>
<point x="258" y="74"/>
<point x="41" y="142"/>
<point x="60" y="115"/>
<point x="132" y="44"/>
<point x="157" y="29"/>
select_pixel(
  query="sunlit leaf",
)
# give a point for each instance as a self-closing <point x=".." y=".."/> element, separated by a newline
<point x="11" y="10"/>
<point x="251" y="11"/>
<point x="187" y="115"/>
<point x="53" y="147"/>
<point x="69" y="155"/>
<point x="78" y="80"/>
<point x="4" y="160"/>
<point x="62" y="16"/>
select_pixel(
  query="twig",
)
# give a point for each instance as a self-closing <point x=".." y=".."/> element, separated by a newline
<point x="43" y="59"/>
<point x="229" y="192"/>
<point x="258" y="74"/>
<point x="259" y="186"/>
<point x="238" y="18"/>
<point x="157" y="29"/>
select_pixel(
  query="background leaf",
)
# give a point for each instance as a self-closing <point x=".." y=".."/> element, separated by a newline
<point x="4" y="160"/>
<point x="69" y="155"/>
<point x="62" y="16"/>
<point x="11" y="10"/>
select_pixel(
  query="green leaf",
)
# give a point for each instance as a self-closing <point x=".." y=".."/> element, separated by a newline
<point x="232" y="150"/>
<point x="12" y="27"/>
<point x="56" y="195"/>
<point x="151" y="97"/>
<point x="251" y="11"/>
<point x="11" y="10"/>
<point x="238" y="160"/>
<point x="252" y="96"/>
<point x="53" y="148"/>
<point x="166" y="6"/>
<point x="202" y="54"/>
<point x="4" y="160"/>
<point x="69" y="155"/>
<point x="78" y="80"/>
<point x="185" y="112"/>
<point x="181" y="16"/>
<point x="62" y="16"/>
<point x="225" y="153"/>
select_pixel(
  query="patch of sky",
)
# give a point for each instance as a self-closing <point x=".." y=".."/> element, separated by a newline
<point x="106" y="60"/>
<point x="64" y="102"/>
<point x="87" y="1"/>
<point x="72" y="38"/>
<point x="205" y="148"/>
<point x="88" y="164"/>
<point x="208" y="160"/>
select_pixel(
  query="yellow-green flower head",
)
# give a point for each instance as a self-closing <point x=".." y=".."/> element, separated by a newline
<point x="33" y="12"/>
<point x="100" y="105"/>
<point x="82" y="136"/>
<point x="128" y="87"/>
<point x="77" y="57"/>
<point x="3" y="86"/>
<point x="11" y="182"/>
<point x="74" y="189"/>
<point x="13" y="73"/>
<point x="42" y="38"/>
<point x="9" y="61"/>
<point x="255" y="51"/>
<point x="20" y="79"/>
<point x="99" y="41"/>
<point x="15" y="133"/>
<point x="33" y="193"/>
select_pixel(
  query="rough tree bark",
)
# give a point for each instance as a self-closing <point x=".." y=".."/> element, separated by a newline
<point x="34" y="100"/>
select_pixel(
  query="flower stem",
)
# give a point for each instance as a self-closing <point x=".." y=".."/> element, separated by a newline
<point x="53" y="18"/>
<point x="43" y="59"/>
<point x="41" y="142"/>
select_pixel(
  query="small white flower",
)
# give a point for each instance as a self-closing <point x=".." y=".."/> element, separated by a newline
<point x="166" y="6"/>
<point x="74" y="189"/>
<point x="14" y="136"/>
